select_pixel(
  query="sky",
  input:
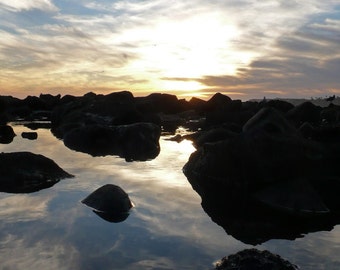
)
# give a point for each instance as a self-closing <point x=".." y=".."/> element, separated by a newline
<point x="242" y="48"/>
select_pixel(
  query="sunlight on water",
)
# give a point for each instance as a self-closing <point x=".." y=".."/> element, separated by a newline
<point x="167" y="228"/>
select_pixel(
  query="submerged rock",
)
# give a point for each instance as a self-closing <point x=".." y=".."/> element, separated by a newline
<point x="110" y="202"/>
<point x="253" y="259"/>
<point x="25" y="172"/>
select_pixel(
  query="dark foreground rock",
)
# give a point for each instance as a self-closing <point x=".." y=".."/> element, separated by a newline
<point x="253" y="259"/>
<point x="268" y="181"/>
<point x="25" y="172"/>
<point x="110" y="202"/>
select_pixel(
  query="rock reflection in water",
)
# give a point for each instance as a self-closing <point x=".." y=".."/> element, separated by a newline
<point x="112" y="217"/>
<point x="255" y="224"/>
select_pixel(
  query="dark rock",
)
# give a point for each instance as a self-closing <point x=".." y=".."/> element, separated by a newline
<point x="117" y="108"/>
<point x="330" y="115"/>
<point x="327" y="134"/>
<point x="38" y="125"/>
<point x="110" y="202"/>
<point x="6" y="134"/>
<point x="50" y="100"/>
<point x="29" y="135"/>
<point x="266" y="179"/>
<point x="114" y="104"/>
<point x="305" y="112"/>
<point x="197" y="104"/>
<point x="218" y="101"/>
<point x="34" y="103"/>
<point x="138" y="141"/>
<point x="280" y="105"/>
<point x="157" y="102"/>
<point x="25" y="172"/>
<point x="253" y="259"/>
<point x="213" y="135"/>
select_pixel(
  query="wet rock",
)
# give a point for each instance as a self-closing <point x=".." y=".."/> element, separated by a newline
<point x="138" y="141"/>
<point x="110" y="202"/>
<point x="25" y="172"/>
<point x="6" y="134"/>
<point x="29" y="135"/>
<point x="253" y="259"/>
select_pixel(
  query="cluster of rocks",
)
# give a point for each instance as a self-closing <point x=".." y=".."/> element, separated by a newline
<point x="273" y="174"/>
<point x="264" y="169"/>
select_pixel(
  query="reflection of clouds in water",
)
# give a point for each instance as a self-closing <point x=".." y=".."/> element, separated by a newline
<point x="17" y="253"/>
<point x="176" y="213"/>
<point x="160" y="263"/>
<point x="315" y="251"/>
<point x="22" y="207"/>
<point x="167" y="215"/>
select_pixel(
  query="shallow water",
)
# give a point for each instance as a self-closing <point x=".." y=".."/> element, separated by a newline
<point x="167" y="228"/>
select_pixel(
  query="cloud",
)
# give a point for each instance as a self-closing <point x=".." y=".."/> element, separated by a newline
<point x="19" y="208"/>
<point x="18" y="253"/>
<point x="93" y="43"/>
<point x="17" y="6"/>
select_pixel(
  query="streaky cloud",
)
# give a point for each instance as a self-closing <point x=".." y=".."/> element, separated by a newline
<point x="18" y="6"/>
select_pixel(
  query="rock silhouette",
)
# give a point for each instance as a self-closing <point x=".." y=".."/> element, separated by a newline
<point x="6" y="134"/>
<point x="110" y="202"/>
<point x="267" y="181"/>
<point x="25" y="172"/>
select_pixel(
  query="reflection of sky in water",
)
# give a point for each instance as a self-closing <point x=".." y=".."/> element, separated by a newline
<point x="167" y="229"/>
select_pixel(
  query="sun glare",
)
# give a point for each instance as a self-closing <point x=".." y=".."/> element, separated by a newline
<point x="188" y="48"/>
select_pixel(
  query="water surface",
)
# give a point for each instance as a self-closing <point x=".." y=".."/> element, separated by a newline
<point x="167" y="228"/>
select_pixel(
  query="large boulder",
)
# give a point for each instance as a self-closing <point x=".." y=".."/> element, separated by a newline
<point x="139" y="141"/>
<point x="25" y="172"/>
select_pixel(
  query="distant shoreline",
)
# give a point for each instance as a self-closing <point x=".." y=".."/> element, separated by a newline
<point x="322" y="102"/>
<point x="319" y="101"/>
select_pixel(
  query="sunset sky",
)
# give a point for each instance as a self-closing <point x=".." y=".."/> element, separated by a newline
<point x="243" y="48"/>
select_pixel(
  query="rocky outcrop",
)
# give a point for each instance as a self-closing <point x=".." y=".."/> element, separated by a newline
<point x="25" y="172"/>
<point x="110" y="202"/>
<point x="269" y="167"/>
